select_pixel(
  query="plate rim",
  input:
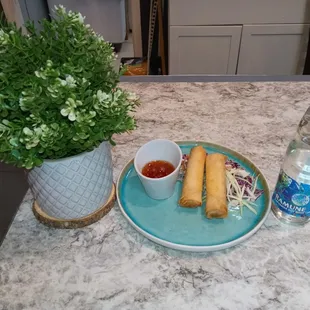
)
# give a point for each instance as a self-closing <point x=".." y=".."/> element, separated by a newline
<point x="195" y="248"/>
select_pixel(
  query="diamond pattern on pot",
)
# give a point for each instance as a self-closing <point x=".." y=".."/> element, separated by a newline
<point x="73" y="187"/>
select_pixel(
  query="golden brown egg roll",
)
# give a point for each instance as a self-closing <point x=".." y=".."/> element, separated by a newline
<point x="193" y="180"/>
<point x="216" y="204"/>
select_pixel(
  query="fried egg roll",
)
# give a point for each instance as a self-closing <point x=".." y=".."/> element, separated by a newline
<point x="216" y="203"/>
<point x="193" y="181"/>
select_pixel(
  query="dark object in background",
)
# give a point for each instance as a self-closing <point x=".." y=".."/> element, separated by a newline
<point x="165" y="22"/>
<point x="307" y="62"/>
<point x="155" y="60"/>
<point x="155" y="66"/>
<point x="161" y="37"/>
<point x="117" y="47"/>
<point x="13" y="187"/>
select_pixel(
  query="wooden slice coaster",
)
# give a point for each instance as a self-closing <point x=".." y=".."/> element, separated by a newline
<point x="74" y="223"/>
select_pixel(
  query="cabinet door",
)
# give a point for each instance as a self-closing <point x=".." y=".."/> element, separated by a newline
<point x="204" y="49"/>
<point x="273" y="49"/>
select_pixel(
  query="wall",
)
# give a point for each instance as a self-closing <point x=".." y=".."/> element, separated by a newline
<point x="34" y="10"/>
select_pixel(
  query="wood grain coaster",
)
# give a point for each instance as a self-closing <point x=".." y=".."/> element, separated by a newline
<point x="74" y="223"/>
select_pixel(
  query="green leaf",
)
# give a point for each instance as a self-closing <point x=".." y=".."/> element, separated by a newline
<point x="16" y="154"/>
<point x="33" y="109"/>
<point x="14" y="141"/>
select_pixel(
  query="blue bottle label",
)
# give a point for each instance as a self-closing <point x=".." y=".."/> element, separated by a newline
<point x="292" y="197"/>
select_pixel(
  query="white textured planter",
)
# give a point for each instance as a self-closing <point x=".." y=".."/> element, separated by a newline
<point x="73" y="187"/>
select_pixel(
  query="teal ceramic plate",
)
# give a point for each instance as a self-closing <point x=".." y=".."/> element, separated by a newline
<point x="170" y="225"/>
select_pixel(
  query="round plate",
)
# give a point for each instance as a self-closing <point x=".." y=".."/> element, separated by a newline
<point x="168" y="224"/>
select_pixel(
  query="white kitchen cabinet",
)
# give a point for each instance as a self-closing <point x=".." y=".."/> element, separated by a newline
<point x="260" y="37"/>
<point x="204" y="49"/>
<point x="238" y="12"/>
<point x="278" y="49"/>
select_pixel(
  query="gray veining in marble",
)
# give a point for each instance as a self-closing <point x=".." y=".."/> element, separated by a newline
<point x="108" y="265"/>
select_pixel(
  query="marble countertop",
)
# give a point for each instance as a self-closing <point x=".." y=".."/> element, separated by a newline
<point x="108" y="265"/>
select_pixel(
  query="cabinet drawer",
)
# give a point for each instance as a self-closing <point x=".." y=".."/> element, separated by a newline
<point x="204" y="49"/>
<point x="219" y="12"/>
<point x="273" y="49"/>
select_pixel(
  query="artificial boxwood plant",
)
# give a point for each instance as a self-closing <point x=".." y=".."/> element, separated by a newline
<point x="59" y="93"/>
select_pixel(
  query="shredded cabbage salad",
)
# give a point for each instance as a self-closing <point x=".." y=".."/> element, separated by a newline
<point x="242" y="190"/>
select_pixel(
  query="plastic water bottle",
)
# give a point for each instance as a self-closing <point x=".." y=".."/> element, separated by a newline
<point x="291" y="198"/>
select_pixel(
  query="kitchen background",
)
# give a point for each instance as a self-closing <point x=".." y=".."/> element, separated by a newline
<point x="180" y="37"/>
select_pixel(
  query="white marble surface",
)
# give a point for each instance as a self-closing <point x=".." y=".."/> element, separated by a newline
<point x="108" y="265"/>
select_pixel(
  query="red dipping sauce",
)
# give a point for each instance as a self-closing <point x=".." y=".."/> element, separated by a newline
<point x="157" y="169"/>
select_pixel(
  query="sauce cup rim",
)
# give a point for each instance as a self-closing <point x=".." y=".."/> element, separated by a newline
<point x="176" y="169"/>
